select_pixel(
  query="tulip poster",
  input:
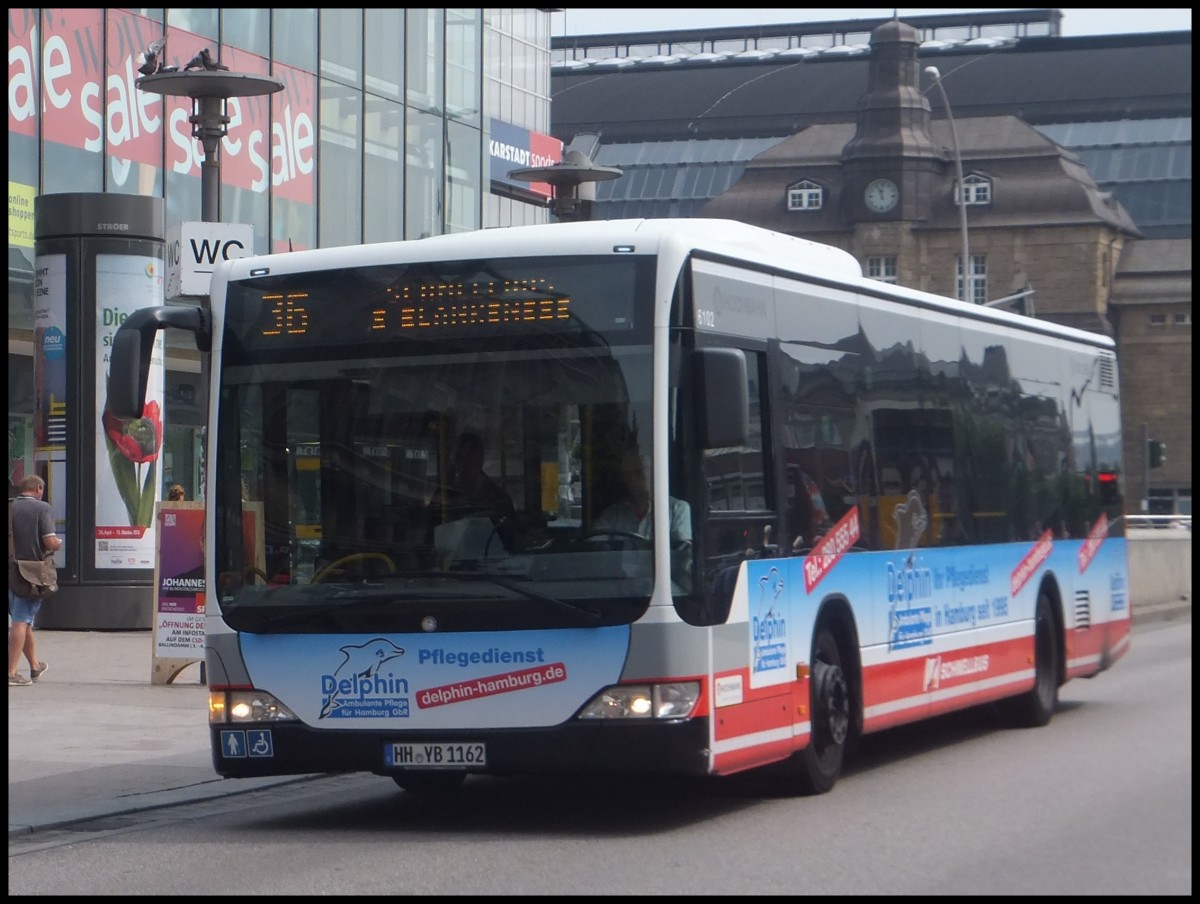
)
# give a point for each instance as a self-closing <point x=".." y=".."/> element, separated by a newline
<point x="129" y="450"/>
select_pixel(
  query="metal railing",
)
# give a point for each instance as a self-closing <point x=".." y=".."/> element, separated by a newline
<point x="1183" y="522"/>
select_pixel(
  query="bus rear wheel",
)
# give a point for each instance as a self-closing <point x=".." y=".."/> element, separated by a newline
<point x="1034" y="708"/>
<point x="819" y="765"/>
<point x="430" y="782"/>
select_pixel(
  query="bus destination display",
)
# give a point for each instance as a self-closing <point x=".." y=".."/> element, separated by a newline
<point x="456" y="304"/>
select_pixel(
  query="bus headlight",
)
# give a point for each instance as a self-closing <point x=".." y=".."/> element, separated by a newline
<point x="674" y="700"/>
<point x="246" y="706"/>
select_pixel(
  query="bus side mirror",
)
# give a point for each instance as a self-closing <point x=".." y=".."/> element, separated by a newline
<point x="133" y="344"/>
<point x="127" y="374"/>
<point x="722" y="397"/>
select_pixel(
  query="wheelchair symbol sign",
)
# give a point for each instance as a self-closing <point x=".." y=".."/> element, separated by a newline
<point x="259" y="743"/>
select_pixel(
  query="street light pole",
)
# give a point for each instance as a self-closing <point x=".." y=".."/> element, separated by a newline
<point x="573" y="180"/>
<point x="208" y="91"/>
<point x="933" y="72"/>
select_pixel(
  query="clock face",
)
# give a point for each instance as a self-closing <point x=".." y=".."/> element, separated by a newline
<point x="881" y="195"/>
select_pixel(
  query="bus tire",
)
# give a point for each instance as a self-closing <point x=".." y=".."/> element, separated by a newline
<point x="430" y="782"/>
<point x="819" y="765"/>
<point x="1034" y="708"/>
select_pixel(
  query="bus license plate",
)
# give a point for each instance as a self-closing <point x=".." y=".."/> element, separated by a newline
<point x="435" y="756"/>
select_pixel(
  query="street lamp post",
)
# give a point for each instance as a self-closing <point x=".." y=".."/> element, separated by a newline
<point x="932" y="71"/>
<point x="574" y="181"/>
<point x="208" y="91"/>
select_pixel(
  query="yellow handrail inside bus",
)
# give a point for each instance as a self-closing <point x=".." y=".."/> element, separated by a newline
<point x="345" y="560"/>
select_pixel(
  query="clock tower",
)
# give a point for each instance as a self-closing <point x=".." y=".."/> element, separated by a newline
<point x="890" y="164"/>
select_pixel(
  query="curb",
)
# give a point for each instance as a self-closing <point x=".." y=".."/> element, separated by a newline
<point x="1157" y="612"/>
<point x="157" y="800"/>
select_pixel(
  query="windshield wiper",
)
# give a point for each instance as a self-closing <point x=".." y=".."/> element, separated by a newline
<point x="340" y="603"/>
<point x="577" y="609"/>
<point x="343" y="601"/>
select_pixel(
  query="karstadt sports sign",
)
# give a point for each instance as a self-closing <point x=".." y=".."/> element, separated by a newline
<point x="512" y="147"/>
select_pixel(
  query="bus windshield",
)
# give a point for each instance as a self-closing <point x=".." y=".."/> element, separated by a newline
<point x="454" y="447"/>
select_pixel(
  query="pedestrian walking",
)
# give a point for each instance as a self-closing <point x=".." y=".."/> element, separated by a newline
<point x="31" y="526"/>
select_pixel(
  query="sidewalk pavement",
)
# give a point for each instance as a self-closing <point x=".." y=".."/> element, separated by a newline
<point x="95" y="738"/>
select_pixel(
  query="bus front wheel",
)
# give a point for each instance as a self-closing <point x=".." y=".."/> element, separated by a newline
<point x="820" y="763"/>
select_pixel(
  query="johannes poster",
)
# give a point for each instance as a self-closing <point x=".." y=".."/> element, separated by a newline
<point x="179" y="609"/>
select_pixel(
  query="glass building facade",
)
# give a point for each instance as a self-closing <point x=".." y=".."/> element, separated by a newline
<point x="383" y="131"/>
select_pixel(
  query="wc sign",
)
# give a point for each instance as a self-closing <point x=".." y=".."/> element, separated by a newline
<point x="193" y="249"/>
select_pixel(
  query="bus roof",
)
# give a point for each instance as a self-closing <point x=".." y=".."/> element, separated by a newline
<point x="751" y="244"/>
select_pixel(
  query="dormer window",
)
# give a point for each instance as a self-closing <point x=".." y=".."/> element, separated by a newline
<point x="805" y="195"/>
<point x="882" y="268"/>
<point x="977" y="189"/>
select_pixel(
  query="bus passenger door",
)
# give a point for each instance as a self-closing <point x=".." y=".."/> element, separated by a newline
<point x="739" y="522"/>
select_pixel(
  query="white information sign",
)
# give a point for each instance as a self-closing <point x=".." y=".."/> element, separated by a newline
<point x="193" y="249"/>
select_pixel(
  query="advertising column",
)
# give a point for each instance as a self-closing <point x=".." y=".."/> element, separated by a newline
<point x="99" y="258"/>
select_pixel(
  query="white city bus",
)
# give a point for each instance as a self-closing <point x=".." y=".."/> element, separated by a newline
<point x="859" y="505"/>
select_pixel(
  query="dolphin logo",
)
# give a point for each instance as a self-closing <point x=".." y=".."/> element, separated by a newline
<point x="773" y="581"/>
<point x="911" y="521"/>
<point x="361" y="660"/>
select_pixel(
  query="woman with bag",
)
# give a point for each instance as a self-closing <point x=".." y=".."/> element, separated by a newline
<point x="31" y="538"/>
